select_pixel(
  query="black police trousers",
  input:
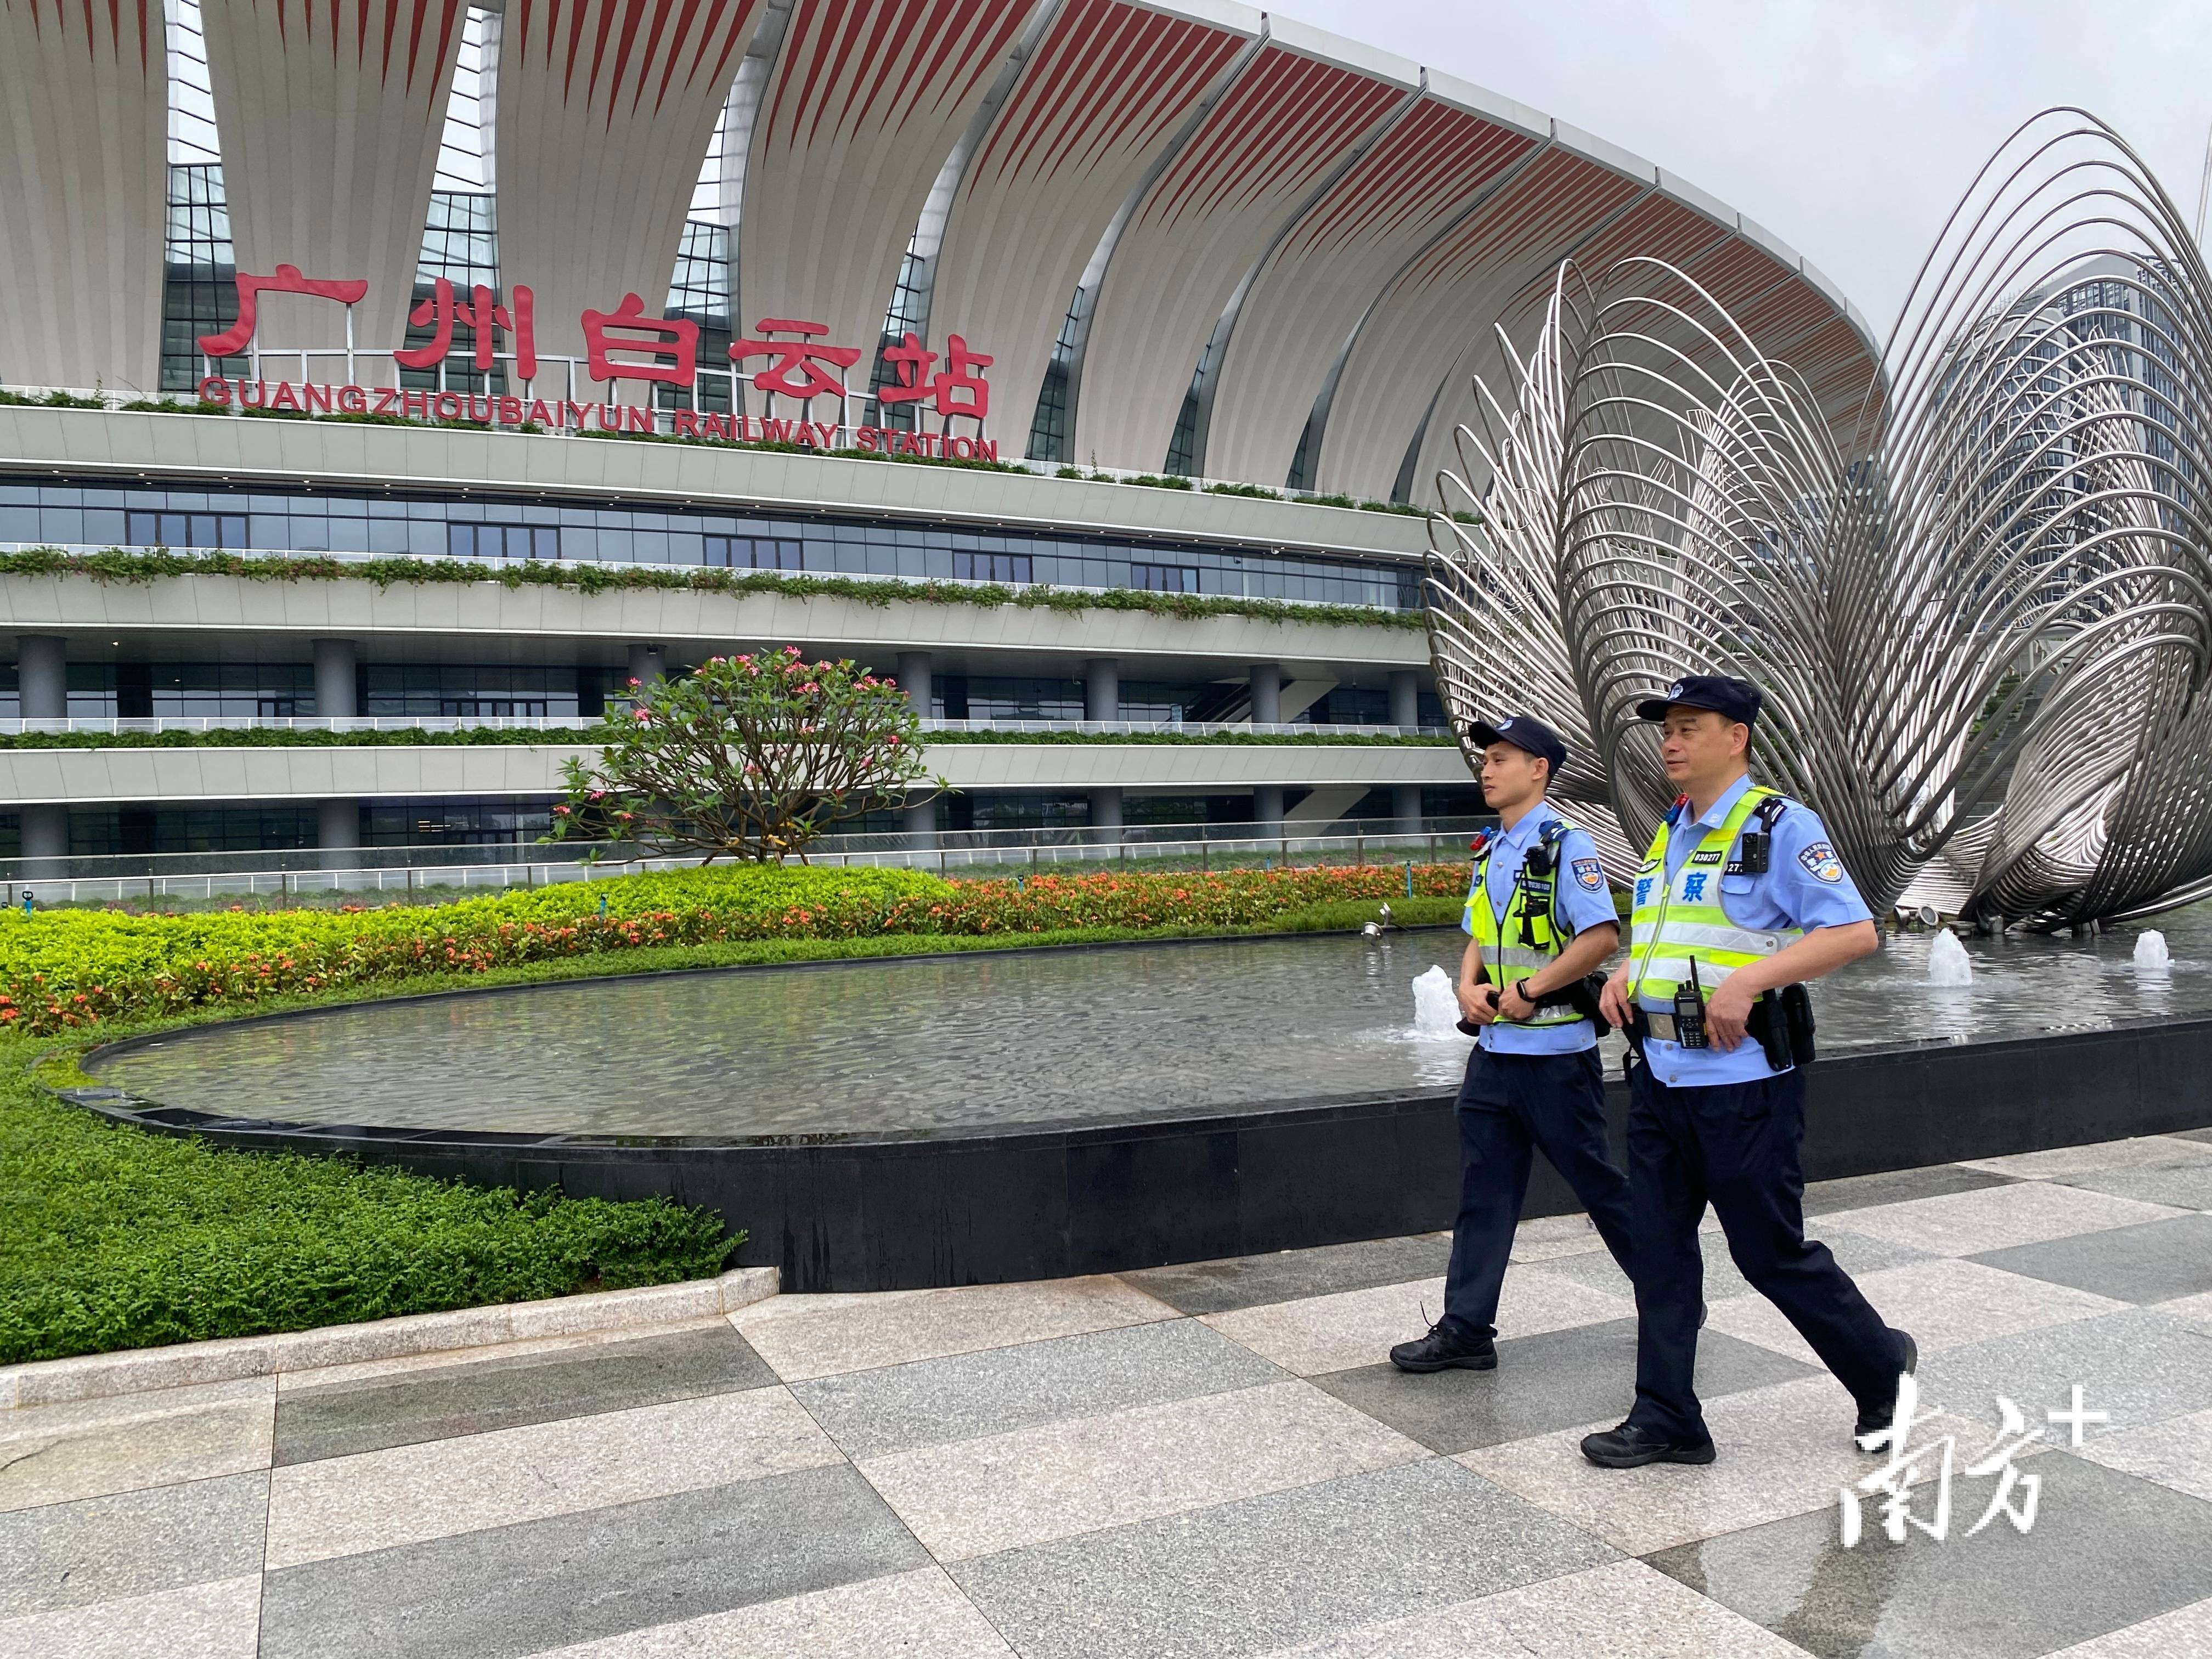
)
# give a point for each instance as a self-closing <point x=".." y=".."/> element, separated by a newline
<point x="1508" y="1104"/>
<point x="1736" y="1145"/>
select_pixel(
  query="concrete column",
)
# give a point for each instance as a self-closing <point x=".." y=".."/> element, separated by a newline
<point x="42" y="678"/>
<point x="646" y="663"/>
<point x="45" y="836"/>
<point x="337" y="695"/>
<point x="1106" y="809"/>
<point x="1267" y="696"/>
<point x="1102" y="694"/>
<point x="338" y="825"/>
<point x="921" y="821"/>
<point x="1268" y="809"/>
<point x="913" y="677"/>
<point x="1405" y="807"/>
<point x="1404" y="697"/>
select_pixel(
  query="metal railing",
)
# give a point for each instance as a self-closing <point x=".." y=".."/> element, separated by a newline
<point x="434" y="872"/>
<point x="109" y="726"/>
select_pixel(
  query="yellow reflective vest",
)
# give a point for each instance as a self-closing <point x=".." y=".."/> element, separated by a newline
<point x="1680" y="920"/>
<point x="1527" y="938"/>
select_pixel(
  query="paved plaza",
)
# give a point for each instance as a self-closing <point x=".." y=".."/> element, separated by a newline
<point x="1201" y="1461"/>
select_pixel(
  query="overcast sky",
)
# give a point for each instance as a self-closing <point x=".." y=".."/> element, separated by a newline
<point x="1850" y="130"/>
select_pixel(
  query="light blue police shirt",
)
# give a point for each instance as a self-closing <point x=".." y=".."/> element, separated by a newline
<point x="1583" y="901"/>
<point x="1805" y="886"/>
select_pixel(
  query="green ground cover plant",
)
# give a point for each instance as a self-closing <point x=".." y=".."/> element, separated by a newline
<point x="113" y="1237"/>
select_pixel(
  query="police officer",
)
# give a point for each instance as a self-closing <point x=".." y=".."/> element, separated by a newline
<point x="1741" y="894"/>
<point x="1539" y="919"/>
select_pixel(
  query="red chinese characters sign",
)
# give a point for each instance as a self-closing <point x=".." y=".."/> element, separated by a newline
<point x="801" y="367"/>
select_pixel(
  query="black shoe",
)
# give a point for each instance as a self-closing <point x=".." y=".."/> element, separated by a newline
<point x="1444" y="1348"/>
<point x="1875" y="1422"/>
<point x="1629" y="1447"/>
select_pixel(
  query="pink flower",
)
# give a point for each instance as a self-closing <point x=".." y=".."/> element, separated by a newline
<point x="644" y="715"/>
<point x="634" y="682"/>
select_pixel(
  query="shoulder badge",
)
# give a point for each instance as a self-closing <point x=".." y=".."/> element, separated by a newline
<point x="1589" y="876"/>
<point x="1822" y="863"/>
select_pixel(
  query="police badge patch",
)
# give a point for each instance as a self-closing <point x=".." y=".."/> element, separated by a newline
<point x="1588" y="874"/>
<point x="1820" y="862"/>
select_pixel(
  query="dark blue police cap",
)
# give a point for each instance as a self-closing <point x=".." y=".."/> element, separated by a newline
<point x="1731" y="699"/>
<point x="1523" y="731"/>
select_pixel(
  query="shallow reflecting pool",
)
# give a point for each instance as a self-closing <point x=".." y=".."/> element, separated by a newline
<point x="1001" y="1041"/>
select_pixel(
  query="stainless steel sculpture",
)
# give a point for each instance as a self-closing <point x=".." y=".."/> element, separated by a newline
<point x="1977" y="592"/>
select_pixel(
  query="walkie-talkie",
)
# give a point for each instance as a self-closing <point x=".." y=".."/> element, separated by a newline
<point x="1690" y="1011"/>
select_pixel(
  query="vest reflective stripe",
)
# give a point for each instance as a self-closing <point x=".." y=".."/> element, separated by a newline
<point x="1511" y="963"/>
<point x="1677" y="923"/>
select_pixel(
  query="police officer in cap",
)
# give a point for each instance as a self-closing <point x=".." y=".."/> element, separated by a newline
<point x="1540" y="919"/>
<point x="1741" y="898"/>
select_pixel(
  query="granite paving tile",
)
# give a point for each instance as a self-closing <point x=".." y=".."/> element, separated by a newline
<point x="1622" y="1607"/>
<point x="1856" y="1254"/>
<point x="979" y="1497"/>
<point x="965" y="1396"/>
<point x="810" y="1336"/>
<point x="2175" y="1452"/>
<point x="913" y="1615"/>
<point x="2107" y="1551"/>
<point x="339" y="1419"/>
<point x="407" y="1494"/>
<point x="1541" y="1383"/>
<point x="508" y="1591"/>
<point x="83" y="1449"/>
<point x="1248" y="1282"/>
<point x="2063" y="1163"/>
<point x="2191" y="1134"/>
<point x="132" y="1543"/>
<point x="438" y="1360"/>
<point x="1968" y="1224"/>
<point x="1782" y="1450"/>
<point x="2186" y="1186"/>
<point x="1268" y="1572"/>
<point x="1898" y="1186"/>
<point x="1945" y="1302"/>
<point x="2140" y="1366"/>
<point x="218" y="1620"/>
<point x="2185" y="1630"/>
<point x="2157" y="1262"/>
<point x="2196" y="1311"/>
<point x="1358" y="1327"/>
<point x="1549" y="1236"/>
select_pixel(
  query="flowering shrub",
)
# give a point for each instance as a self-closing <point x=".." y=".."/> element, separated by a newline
<point x="63" y="969"/>
<point x="754" y="756"/>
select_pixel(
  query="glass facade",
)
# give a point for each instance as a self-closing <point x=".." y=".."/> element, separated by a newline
<point x="502" y="690"/>
<point x="1004" y="697"/>
<point x="458" y="822"/>
<point x="61" y="514"/>
<point x="101" y="831"/>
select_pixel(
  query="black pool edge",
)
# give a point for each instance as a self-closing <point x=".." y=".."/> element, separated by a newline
<point x="846" y="1214"/>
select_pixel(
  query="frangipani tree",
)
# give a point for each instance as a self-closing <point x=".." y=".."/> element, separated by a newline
<point x="754" y="756"/>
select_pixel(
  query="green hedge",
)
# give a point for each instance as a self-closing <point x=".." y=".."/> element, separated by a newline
<point x="64" y="970"/>
<point x="112" y="1237"/>
<point x="255" y="736"/>
<point x="120" y="564"/>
